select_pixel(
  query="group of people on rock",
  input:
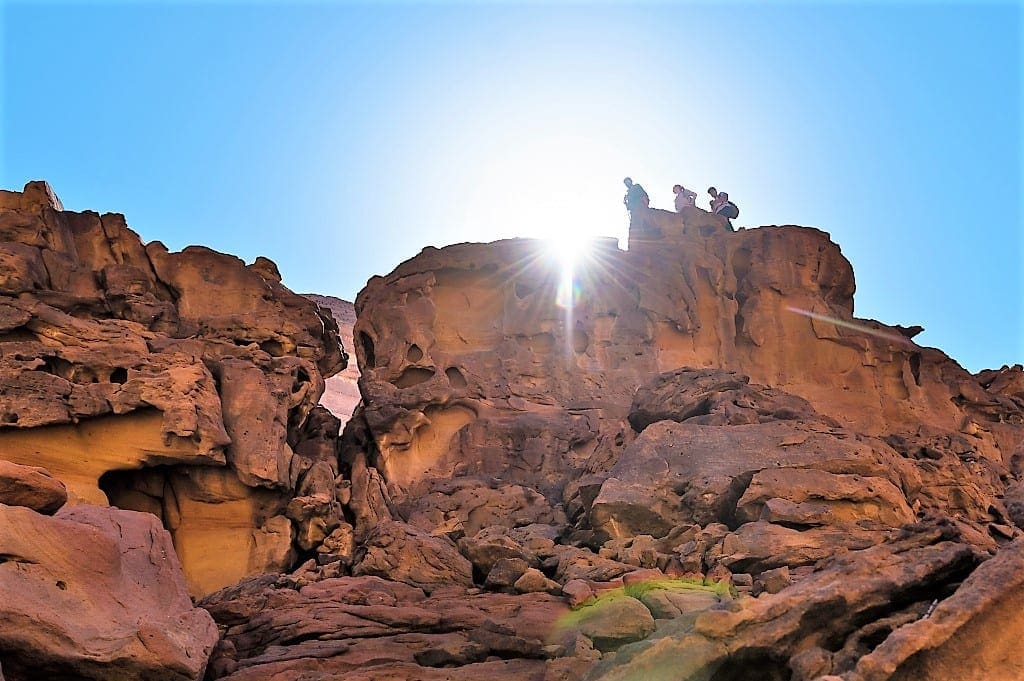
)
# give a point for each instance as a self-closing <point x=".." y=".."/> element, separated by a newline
<point x="636" y="198"/>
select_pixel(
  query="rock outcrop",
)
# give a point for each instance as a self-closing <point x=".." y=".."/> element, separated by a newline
<point x="705" y="404"/>
<point x="92" y="592"/>
<point x="341" y="392"/>
<point x="181" y="384"/>
<point x="96" y="593"/>
<point x="688" y="460"/>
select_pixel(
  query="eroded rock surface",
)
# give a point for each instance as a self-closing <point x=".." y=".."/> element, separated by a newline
<point x="181" y="384"/>
<point x="341" y="392"/>
<point x="692" y="463"/>
<point x="705" y="407"/>
<point x="96" y="593"/>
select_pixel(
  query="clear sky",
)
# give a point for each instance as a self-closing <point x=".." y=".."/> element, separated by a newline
<point x="340" y="138"/>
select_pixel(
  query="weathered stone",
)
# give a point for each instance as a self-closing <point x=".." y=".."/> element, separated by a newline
<point x="392" y="630"/>
<point x="676" y="474"/>
<point x="404" y="554"/>
<point x="761" y="546"/>
<point x="713" y="397"/>
<point x="773" y="581"/>
<point x="612" y="621"/>
<point x="973" y="634"/>
<point x="825" y="609"/>
<point x="31" y="487"/>
<point x="125" y="368"/>
<point x="96" y="593"/>
<point x="505" y="572"/>
<point x="492" y="544"/>
<point x="534" y="581"/>
<point x="341" y="392"/>
<point x="818" y="497"/>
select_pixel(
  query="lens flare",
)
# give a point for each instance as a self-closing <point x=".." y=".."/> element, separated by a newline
<point x="862" y="328"/>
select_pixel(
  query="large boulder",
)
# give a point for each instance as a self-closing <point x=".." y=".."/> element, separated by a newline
<point x="96" y="593"/>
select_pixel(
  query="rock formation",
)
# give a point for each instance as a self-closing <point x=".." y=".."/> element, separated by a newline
<point x="182" y="384"/>
<point x="687" y="460"/>
<point x="341" y="391"/>
<point x="91" y="592"/>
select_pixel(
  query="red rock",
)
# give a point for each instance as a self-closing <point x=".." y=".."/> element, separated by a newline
<point x="31" y="487"/>
<point x="96" y="593"/>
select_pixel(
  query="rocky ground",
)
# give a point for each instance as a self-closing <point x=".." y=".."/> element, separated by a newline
<point x="703" y="467"/>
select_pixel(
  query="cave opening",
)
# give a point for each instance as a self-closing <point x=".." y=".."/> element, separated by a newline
<point x="137" y="490"/>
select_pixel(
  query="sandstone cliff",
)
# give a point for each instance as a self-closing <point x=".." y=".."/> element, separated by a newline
<point x="182" y="384"/>
<point x="692" y="423"/>
<point x="690" y="460"/>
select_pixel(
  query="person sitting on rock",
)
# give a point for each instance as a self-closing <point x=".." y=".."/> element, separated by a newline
<point x="721" y="205"/>
<point x="684" y="197"/>
<point x="635" y="196"/>
<point x="718" y="199"/>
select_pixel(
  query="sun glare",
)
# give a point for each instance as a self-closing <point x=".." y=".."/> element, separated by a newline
<point x="566" y="189"/>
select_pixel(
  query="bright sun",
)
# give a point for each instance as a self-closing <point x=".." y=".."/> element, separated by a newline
<point x="565" y="189"/>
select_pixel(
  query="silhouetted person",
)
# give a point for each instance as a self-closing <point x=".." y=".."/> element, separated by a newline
<point x="635" y="196"/>
<point x="684" y="197"/>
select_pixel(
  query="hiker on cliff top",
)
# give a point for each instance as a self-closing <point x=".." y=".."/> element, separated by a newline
<point x="684" y="197"/>
<point x="635" y="196"/>
<point x="721" y="205"/>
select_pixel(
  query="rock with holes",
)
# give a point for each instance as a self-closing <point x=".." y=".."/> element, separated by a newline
<point x="174" y="383"/>
<point x="96" y="593"/>
<point x="475" y="371"/>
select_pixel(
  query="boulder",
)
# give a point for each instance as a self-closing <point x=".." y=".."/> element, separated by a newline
<point x="30" y="487"/>
<point x="612" y="621"/>
<point x="402" y="553"/>
<point x="96" y="593"/>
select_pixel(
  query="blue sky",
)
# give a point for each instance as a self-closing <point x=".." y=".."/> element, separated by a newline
<point x="339" y="139"/>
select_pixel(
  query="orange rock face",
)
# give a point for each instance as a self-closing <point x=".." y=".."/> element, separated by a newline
<point x="181" y="384"/>
<point x="471" y="366"/>
<point x="687" y="460"/>
<point x="704" y="404"/>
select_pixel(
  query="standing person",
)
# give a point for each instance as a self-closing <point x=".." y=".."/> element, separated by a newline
<point x="635" y="196"/>
<point x="684" y="197"/>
